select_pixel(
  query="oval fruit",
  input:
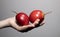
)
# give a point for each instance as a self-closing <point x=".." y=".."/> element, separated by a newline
<point x="36" y="14"/>
<point x="22" y="19"/>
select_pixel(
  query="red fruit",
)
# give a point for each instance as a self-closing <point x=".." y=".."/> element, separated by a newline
<point x="22" y="19"/>
<point x="36" y="14"/>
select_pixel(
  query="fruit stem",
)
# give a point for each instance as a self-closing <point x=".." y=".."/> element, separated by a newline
<point x="48" y="12"/>
<point x="15" y="12"/>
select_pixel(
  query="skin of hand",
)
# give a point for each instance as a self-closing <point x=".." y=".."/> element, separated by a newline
<point x="12" y="22"/>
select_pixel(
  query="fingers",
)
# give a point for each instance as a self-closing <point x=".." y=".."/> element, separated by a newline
<point x="32" y="25"/>
<point x="36" y="22"/>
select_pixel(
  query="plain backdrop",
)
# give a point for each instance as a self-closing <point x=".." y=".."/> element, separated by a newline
<point x="51" y="28"/>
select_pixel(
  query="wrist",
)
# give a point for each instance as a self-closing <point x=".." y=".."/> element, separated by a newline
<point x="4" y="23"/>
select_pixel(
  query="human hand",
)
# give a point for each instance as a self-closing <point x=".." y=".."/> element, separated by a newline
<point x="24" y="28"/>
<point x="12" y="22"/>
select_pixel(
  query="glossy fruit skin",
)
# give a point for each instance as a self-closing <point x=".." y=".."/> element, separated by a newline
<point x="36" y="14"/>
<point x="22" y="19"/>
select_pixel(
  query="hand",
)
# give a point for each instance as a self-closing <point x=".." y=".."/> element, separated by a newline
<point x="12" y="22"/>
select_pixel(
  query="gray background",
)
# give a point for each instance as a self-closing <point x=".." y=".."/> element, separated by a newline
<point x="50" y="29"/>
